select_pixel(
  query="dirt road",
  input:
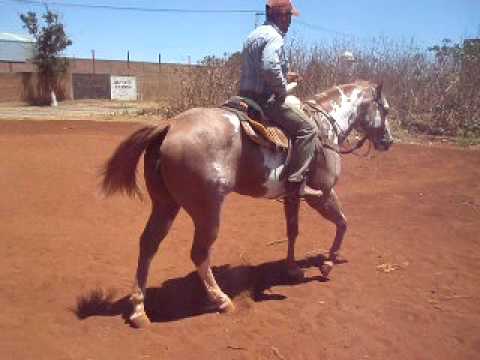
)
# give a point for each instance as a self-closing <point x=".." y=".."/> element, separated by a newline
<point x="409" y="291"/>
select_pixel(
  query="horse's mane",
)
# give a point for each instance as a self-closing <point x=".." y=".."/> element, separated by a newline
<point x="333" y="92"/>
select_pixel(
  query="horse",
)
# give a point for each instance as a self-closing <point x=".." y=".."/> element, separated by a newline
<point x="201" y="155"/>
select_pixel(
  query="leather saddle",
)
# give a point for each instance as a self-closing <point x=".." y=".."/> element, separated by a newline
<point x="256" y="125"/>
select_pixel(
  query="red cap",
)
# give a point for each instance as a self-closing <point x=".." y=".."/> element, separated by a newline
<point x="283" y="5"/>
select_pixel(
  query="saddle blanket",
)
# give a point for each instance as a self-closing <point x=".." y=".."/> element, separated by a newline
<point x="256" y="125"/>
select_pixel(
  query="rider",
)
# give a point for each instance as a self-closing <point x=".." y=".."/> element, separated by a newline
<point x="346" y="68"/>
<point x="264" y="79"/>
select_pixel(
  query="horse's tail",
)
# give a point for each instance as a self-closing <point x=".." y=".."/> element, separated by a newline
<point x="119" y="172"/>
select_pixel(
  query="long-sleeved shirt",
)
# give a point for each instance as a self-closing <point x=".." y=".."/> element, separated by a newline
<point x="265" y="66"/>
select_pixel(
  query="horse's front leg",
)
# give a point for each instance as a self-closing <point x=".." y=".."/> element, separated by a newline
<point x="292" y="206"/>
<point x="329" y="207"/>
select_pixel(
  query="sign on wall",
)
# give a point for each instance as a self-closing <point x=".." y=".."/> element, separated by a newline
<point x="123" y="88"/>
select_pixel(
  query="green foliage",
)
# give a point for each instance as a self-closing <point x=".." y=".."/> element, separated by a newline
<point x="448" y="53"/>
<point x="51" y="40"/>
<point x="458" y="113"/>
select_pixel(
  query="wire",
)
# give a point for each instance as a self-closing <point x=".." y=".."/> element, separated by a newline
<point x="134" y="8"/>
<point x="324" y="29"/>
<point x="173" y="10"/>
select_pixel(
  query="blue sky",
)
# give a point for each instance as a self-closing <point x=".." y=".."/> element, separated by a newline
<point x="183" y="36"/>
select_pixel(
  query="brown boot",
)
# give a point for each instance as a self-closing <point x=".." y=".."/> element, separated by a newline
<point x="301" y="189"/>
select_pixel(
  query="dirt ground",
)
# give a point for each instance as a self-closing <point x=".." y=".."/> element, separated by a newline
<point x="409" y="291"/>
<point x="94" y="110"/>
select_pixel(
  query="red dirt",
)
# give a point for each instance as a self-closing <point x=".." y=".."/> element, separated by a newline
<point x="69" y="258"/>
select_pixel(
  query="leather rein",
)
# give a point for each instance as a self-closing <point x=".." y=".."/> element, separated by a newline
<point x="341" y="135"/>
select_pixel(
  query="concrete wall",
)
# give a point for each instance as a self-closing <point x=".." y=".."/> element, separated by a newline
<point x="24" y="87"/>
<point x="154" y="82"/>
<point x="11" y="87"/>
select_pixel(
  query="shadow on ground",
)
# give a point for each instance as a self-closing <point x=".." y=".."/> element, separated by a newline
<point x="184" y="297"/>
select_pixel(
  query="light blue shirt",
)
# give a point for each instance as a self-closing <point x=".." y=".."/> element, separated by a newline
<point x="265" y="66"/>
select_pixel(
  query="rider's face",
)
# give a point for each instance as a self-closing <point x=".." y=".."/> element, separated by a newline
<point x="283" y="20"/>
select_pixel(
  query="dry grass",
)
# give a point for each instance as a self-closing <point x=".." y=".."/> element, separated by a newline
<point x="430" y="92"/>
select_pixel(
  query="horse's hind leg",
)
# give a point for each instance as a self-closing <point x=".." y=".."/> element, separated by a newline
<point x="207" y="222"/>
<point x="160" y="220"/>
<point x="329" y="207"/>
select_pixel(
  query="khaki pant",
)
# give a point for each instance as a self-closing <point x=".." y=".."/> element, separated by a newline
<point x="303" y="134"/>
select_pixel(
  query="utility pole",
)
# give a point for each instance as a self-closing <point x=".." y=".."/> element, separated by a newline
<point x="93" y="61"/>
<point x="257" y="18"/>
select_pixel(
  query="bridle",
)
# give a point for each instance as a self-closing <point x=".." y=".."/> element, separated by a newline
<point x="341" y="134"/>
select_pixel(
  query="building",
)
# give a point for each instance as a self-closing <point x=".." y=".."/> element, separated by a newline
<point x="16" y="48"/>
<point x="85" y="78"/>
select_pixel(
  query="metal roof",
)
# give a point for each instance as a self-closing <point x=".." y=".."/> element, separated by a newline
<point x="4" y="36"/>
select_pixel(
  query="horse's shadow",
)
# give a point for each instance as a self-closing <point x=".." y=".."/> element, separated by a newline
<point x="185" y="297"/>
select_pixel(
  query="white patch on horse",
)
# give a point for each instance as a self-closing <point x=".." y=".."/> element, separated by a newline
<point x="378" y="119"/>
<point x="233" y="119"/>
<point x="214" y="293"/>
<point x="220" y="176"/>
<point x="274" y="162"/>
<point x="345" y="110"/>
<point x="293" y="102"/>
<point x="386" y="105"/>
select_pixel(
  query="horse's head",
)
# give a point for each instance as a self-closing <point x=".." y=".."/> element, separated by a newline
<point x="372" y="117"/>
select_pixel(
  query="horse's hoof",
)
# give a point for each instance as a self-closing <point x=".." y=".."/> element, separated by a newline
<point x="326" y="267"/>
<point x="338" y="259"/>
<point x="295" y="273"/>
<point x="222" y="306"/>
<point x="139" y="321"/>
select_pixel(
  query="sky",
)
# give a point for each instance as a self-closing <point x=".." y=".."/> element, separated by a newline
<point x="184" y="37"/>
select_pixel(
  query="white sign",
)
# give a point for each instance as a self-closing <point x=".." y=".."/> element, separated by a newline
<point x="123" y="88"/>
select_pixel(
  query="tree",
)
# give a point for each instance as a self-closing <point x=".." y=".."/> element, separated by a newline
<point x="51" y="40"/>
<point x="458" y="112"/>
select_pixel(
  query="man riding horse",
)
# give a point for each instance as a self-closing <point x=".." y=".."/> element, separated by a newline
<point x="201" y="156"/>
<point x="265" y="80"/>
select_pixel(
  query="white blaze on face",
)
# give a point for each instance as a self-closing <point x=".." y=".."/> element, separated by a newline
<point x="274" y="162"/>
<point x="386" y="105"/>
<point x="377" y="120"/>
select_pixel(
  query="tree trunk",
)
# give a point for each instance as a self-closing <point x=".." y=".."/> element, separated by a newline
<point x="53" y="98"/>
